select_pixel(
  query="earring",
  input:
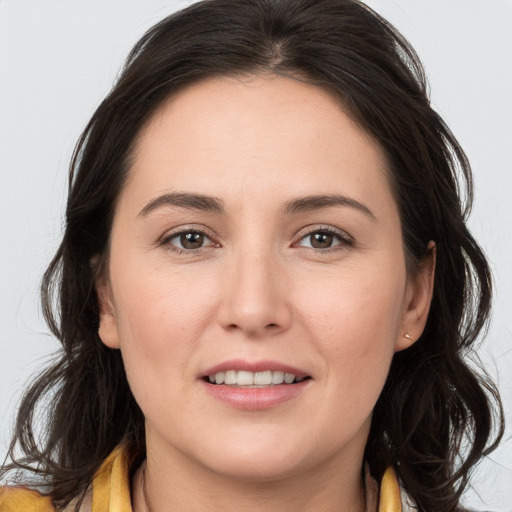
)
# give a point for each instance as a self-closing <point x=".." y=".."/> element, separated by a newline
<point x="408" y="336"/>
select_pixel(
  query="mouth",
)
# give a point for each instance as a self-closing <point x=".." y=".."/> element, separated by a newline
<point x="255" y="385"/>
<point x="248" y="379"/>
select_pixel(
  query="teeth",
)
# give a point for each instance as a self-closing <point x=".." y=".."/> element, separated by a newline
<point x="230" y="377"/>
<point x="263" y="378"/>
<point x="277" y="377"/>
<point x="245" y="378"/>
<point x="257" y="379"/>
<point x="289" y="378"/>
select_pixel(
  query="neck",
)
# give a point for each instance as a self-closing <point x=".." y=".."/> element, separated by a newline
<point x="189" y="487"/>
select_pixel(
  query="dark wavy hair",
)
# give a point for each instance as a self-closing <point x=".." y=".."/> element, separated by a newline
<point x="436" y="416"/>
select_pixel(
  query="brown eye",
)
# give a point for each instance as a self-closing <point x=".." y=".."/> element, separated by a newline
<point x="321" y="240"/>
<point x="188" y="241"/>
<point x="324" y="239"/>
<point x="191" y="240"/>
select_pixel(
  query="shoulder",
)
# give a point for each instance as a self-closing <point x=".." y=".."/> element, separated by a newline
<point x="111" y="481"/>
<point x="20" y="499"/>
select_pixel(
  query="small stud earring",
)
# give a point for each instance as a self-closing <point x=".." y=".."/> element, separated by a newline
<point x="408" y="336"/>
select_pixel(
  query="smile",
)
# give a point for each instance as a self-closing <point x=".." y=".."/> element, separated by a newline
<point x="242" y="378"/>
<point x="255" y="385"/>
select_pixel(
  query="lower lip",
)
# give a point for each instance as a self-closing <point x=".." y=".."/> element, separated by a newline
<point x="254" y="399"/>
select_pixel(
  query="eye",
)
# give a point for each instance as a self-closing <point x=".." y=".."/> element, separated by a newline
<point x="324" y="239"/>
<point x="188" y="240"/>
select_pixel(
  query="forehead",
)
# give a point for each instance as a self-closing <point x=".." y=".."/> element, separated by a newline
<point x="256" y="134"/>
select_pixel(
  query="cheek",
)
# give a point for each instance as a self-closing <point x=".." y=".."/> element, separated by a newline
<point x="355" y="322"/>
<point x="160" y="316"/>
<point x="159" y="322"/>
<point x="159" y="299"/>
<point x="354" y="303"/>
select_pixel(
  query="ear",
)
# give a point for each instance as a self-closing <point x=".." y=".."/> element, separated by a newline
<point x="420" y="288"/>
<point x="108" y="330"/>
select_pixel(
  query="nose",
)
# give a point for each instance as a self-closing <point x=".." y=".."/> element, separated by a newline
<point x="256" y="295"/>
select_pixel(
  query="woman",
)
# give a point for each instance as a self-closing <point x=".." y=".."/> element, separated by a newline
<point x="266" y="284"/>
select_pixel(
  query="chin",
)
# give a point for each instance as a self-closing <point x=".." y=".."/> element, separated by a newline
<point x="259" y="467"/>
<point x="263" y="458"/>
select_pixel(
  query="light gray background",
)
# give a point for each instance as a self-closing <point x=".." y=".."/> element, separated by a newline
<point x="59" y="58"/>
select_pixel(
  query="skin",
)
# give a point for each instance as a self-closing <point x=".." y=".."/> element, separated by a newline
<point x="257" y="289"/>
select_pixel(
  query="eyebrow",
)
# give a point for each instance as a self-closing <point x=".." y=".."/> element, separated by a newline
<point x="212" y="204"/>
<point x="184" y="200"/>
<point x="310" y="203"/>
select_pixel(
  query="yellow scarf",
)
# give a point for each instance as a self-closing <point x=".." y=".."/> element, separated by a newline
<point x="111" y="490"/>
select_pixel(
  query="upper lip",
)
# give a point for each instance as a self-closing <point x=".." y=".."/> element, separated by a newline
<point x="255" y="366"/>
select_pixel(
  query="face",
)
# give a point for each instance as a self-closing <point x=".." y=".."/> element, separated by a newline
<point x="256" y="240"/>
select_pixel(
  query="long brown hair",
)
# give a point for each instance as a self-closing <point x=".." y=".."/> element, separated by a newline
<point x="433" y="400"/>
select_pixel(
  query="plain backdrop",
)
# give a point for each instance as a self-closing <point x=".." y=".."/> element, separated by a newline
<point x="59" y="58"/>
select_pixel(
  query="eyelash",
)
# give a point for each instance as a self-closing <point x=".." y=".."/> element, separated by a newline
<point x="166" y="240"/>
<point x="344" y="240"/>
